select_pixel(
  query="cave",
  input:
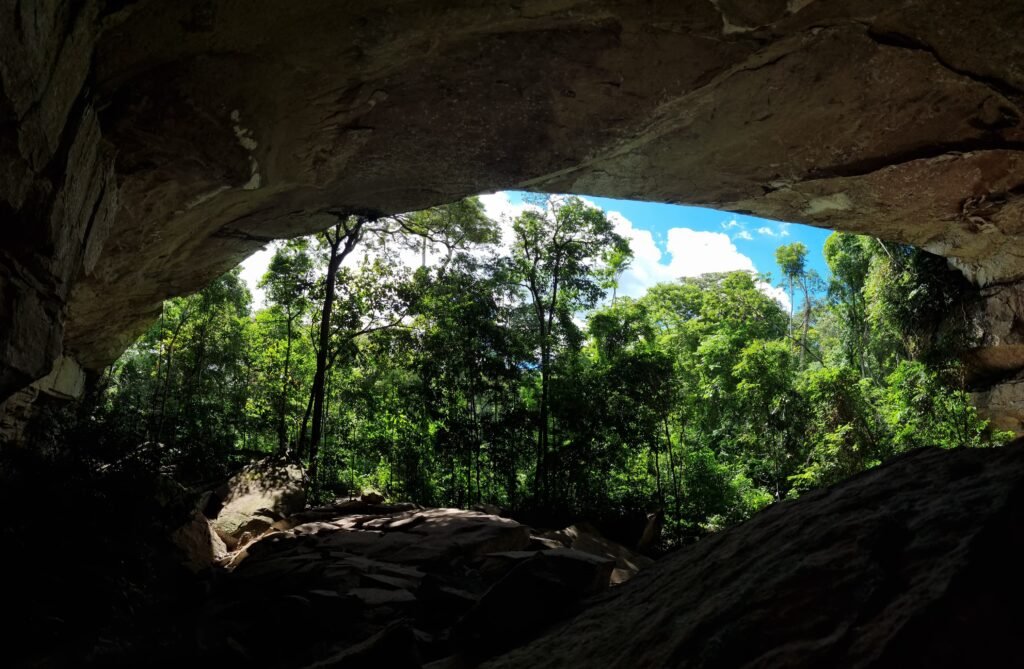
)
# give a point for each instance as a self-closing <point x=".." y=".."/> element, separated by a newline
<point x="148" y="146"/>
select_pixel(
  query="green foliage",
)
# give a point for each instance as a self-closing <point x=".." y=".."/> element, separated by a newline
<point x="792" y="259"/>
<point x="843" y="435"/>
<point x="472" y="379"/>
<point x="181" y="389"/>
<point x="920" y="409"/>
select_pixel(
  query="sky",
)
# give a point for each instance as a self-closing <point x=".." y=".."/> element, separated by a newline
<point x="668" y="242"/>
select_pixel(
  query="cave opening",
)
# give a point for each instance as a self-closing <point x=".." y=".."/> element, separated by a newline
<point x="786" y="469"/>
<point x="703" y="368"/>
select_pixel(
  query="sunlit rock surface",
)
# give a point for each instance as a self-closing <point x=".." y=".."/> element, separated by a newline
<point x="256" y="497"/>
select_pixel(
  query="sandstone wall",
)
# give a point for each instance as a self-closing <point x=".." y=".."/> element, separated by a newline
<point x="148" y="146"/>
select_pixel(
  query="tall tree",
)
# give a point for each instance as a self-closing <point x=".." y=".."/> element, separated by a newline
<point x="339" y="242"/>
<point x="792" y="260"/>
<point x="556" y="255"/>
<point x="447" y="229"/>
<point x="287" y="283"/>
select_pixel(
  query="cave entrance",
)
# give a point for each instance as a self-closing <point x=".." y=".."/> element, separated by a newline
<point x="561" y="355"/>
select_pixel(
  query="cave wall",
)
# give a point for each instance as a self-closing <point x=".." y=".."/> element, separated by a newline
<point x="148" y="146"/>
<point x="58" y="193"/>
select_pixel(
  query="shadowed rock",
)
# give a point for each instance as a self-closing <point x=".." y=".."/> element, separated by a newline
<point x="147" y="147"/>
<point x="910" y="564"/>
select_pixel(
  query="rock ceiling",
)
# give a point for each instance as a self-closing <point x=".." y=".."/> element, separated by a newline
<point x="146" y="147"/>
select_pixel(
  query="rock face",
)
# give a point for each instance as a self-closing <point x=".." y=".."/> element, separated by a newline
<point x="910" y="564"/>
<point x="365" y="584"/>
<point x="200" y="545"/>
<point x="232" y="125"/>
<point x="995" y="363"/>
<point x="256" y="497"/>
<point x="58" y="193"/>
<point x="586" y="539"/>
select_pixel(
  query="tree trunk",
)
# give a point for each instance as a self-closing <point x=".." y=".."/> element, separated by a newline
<point x="167" y="376"/>
<point x="672" y="467"/>
<point x="657" y="474"/>
<point x="282" y="431"/>
<point x="477" y="439"/>
<point x="304" y="430"/>
<point x="542" y="432"/>
<point x="807" y="320"/>
<point x="341" y="244"/>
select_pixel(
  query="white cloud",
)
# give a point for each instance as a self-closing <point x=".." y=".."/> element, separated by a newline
<point x="779" y="294"/>
<point x="781" y="231"/>
<point x="695" y="253"/>
<point x="687" y="252"/>
<point x="498" y="207"/>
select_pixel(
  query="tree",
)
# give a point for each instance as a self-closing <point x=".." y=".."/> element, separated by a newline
<point x="453" y="227"/>
<point x="556" y="254"/>
<point x="771" y="410"/>
<point x="849" y="258"/>
<point x="792" y="260"/>
<point x="338" y="242"/>
<point x="843" y="434"/>
<point x="287" y="283"/>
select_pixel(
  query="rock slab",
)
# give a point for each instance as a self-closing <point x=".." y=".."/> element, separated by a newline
<point x="256" y="497"/>
<point x="913" y="564"/>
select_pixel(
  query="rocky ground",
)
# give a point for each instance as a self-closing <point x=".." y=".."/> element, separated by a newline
<point x="364" y="583"/>
<point x="913" y="564"/>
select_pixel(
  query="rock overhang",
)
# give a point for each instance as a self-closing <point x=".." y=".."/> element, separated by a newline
<point x="204" y="130"/>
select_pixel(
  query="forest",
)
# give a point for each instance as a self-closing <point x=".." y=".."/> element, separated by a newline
<point x="514" y="375"/>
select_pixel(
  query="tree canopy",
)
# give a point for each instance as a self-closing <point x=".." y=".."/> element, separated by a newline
<point x="515" y="375"/>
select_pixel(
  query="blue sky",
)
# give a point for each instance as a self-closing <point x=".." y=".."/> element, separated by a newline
<point x="671" y="241"/>
<point x="759" y="243"/>
<point x="668" y="241"/>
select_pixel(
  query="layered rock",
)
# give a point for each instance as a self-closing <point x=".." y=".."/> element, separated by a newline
<point x="253" y="499"/>
<point x="910" y="564"/>
<point x="58" y="195"/>
<point x="913" y="563"/>
<point x="994" y="360"/>
<point x="399" y="583"/>
<point x="233" y="125"/>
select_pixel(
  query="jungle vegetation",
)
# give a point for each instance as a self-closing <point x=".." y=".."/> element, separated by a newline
<point x="515" y="375"/>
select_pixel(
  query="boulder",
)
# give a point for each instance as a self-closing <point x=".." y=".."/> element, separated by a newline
<point x="424" y="536"/>
<point x="200" y="546"/>
<point x="258" y="496"/>
<point x="489" y="509"/>
<point x="368" y="567"/>
<point x="372" y="497"/>
<point x="584" y="537"/>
